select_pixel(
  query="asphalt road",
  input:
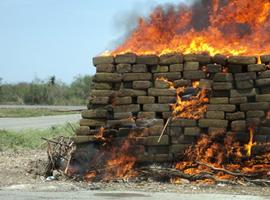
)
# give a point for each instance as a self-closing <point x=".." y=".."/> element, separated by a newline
<point x="42" y="122"/>
<point x="94" y="195"/>
<point x="60" y="108"/>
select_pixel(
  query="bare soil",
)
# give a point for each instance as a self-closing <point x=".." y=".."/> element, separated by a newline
<point x="21" y="170"/>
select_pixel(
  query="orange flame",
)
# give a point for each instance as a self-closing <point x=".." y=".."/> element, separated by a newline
<point x="167" y="81"/>
<point x="215" y="26"/>
<point x="194" y="107"/>
<point x="248" y="147"/>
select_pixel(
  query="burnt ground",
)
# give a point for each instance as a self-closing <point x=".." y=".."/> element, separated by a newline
<point x="20" y="171"/>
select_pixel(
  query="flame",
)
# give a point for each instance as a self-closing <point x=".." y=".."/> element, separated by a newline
<point x="215" y="26"/>
<point x="192" y="108"/>
<point x="259" y="61"/>
<point x="100" y="135"/>
<point x="248" y="147"/>
<point x="167" y="81"/>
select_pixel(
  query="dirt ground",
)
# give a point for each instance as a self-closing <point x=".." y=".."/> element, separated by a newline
<point x="19" y="171"/>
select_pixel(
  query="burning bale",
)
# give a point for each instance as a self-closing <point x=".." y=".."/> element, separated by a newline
<point x="185" y="90"/>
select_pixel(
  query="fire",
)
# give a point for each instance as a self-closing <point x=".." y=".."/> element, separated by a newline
<point x="167" y="81"/>
<point x="119" y="162"/>
<point x="193" y="107"/>
<point x="215" y="26"/>
<point x="99" y="136"/>
<point x="248" y="147"/>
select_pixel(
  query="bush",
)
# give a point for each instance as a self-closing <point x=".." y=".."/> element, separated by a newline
<point x="51" y="92"/>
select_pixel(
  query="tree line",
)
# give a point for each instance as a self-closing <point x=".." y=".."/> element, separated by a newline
<point x="47" y="92"/>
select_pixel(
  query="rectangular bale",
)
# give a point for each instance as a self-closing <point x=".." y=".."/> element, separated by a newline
<point x="256" y="67"/>
<point x="222" y="86"/>
<point x="245" y="76"/>
<point x="131" y="92"/>
<point x="194" y="75"/>
<point x="141" y="84"/>
<point x="181" y="83"/>
<point x="121" y="123"/>
<point x="123" y="68"/>
<point x="168" y="59"/>
<point x="219" y="123"/>
<point x="247" y="84"/>
<point x="263" y="97"/>
<point x="122" y="100"/>
<point x="147" y="59"/>
<point x="128" y="58"/>
<point x="255" y="114"/>
<point x="265" y="74"/>
<point x="221" y="107"/>
<point x="109" y="68"/>
<point x="171" y="76"/>
<point x="184" y="122"/>
<point x="145" y="100"/>
<point x="239" y="125"/>
<point x="166" y="99"/>
<point x="92" y="122"/>
<point x="215" y="114"/>
<point x="94" y="114"/>
<point x="83" y="130"/>
<point x="107" y="77"/>
<point x="242" y="60"/>
<point x="235" y="116"/>
<point x="127" y="108"/>
<point x="263" y="82"/>
<point x="97" y="100"/>
<point x="214" y="68"/>
<point x="201" y="58"/>
<point x="156" y="107"/>
<point x="219" y="100"/>
<point x="147" y="115"/>
<point x="161" y="92"/>
<point x="159" y="69"/>
<point x="223" y="77"/>
<point x="102" y="86"/>
<point x="205" y="84"/>
<point x="161" y="84"/>
<point x="103" y="93"/>
<point x="238" y="100"/>
<point x="243" y="93"/>
<point x="137" y="68"/>
<point x="153" y="140"/>
<point x="137" y="76"/>
<point x="191" y="66"/>
<point x="122" y="115"/>
<point x="103" y="60"/>
<point x="176" y="68"/>
<point x="192" y="131"/>
<point x="254" y="106"/>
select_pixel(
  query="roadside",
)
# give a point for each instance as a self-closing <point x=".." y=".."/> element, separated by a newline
<point x="32" y="112"/>
<point x="41" y="122"/>
<point x="49" y="107"/>
<point x="23" y="156"/>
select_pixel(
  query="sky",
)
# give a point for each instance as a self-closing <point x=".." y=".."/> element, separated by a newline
<point x="42" y="38"/>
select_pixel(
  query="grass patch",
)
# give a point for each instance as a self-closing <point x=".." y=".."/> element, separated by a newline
<point x="31" y="138"/>
<point x="29" y="112"/>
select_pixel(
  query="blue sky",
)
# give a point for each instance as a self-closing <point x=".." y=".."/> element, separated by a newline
<point x="40" y="38"/>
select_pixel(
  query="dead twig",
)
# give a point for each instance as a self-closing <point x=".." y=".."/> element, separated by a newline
<point x="164" y="129"/>
<point x="170" y="172"/>
<point x="226" y="171"/>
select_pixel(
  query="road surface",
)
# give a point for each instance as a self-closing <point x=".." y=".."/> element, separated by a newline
<point x="60" y="108"/>
<point x="42" y="122"/>
<point x="95" y="195"/>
